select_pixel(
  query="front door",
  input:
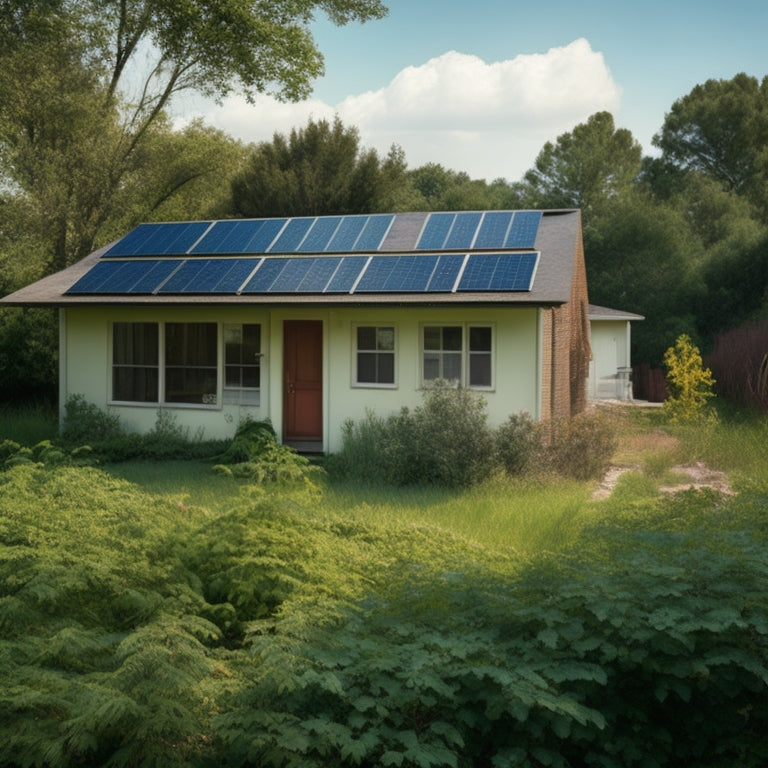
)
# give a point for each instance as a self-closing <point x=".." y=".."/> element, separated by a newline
<point x="303" y="384"/>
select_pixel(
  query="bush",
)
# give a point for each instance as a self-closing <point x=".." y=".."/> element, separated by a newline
<point x="445" y="441"/>
<point x="519" y="444"/>
<point x="581" y="447"/>
<point x="689" y="384"/>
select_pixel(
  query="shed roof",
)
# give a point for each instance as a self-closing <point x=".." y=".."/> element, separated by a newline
<point x="606" y="313"/>
<point x="468" y="257"/>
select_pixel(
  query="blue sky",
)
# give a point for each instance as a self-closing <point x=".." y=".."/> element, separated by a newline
<point x="481" y="86"/>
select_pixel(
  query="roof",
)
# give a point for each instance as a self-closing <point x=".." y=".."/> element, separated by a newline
<point x="605" y="313"/>
<point x="467" y="257"/>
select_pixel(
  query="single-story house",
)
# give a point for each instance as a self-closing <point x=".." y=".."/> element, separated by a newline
<point x="610" y="371"/>
<point x="312" y="321"/>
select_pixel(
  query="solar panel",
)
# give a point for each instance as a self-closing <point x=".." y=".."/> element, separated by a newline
<point x="463" y="231"/>
<point x="395" y="274"/>
<point x="347" y="233"/>
<point x="436" y="231"/>
<point x="291" y="236"/>
<point x="173" y="239"/>
<point x="445" y="273"/>
<point x="373" y="233"/>
<point x="320" y="234"/>
<point x="291" y="276"/>
<point x="264" y="276"/>
<point x="525" y="227"/>
<point x="149" y="280"/>
<point x="204" y="276"/>
<point x="318" y="275"/>
<point x="493" y="229"/>
<point x="228" y="237"/>
<point x="239" y="272"/>
<point x="498" y="272"/>
<point x="345" y="275"/>
<point x="263" y="237"/>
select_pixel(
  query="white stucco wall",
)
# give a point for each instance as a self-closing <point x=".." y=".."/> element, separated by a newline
<point x="86" y="362"/>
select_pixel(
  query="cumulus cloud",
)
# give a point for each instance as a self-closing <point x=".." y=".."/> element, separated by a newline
<point x="488" y="119"/>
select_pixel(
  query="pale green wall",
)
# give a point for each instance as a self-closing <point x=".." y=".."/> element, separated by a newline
<point x="86" y="370"/>
<point x="610" y="341"/>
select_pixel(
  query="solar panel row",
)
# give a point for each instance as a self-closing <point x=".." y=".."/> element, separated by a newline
<point x="430" y="273"/>
<point x="328" y="234"/>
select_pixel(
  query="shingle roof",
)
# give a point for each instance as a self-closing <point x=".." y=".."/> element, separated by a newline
<point x="163" y="261"/>
<point x="606" y="313"/>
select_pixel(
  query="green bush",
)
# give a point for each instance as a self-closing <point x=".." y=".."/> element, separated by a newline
<point x="445" y="441"/>
<point x="519" y="444"/>
<point x="581" y="447"/>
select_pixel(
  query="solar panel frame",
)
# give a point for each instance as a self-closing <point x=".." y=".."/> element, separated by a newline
<point x="498" y="272"/>
<point x="523" y="230"/>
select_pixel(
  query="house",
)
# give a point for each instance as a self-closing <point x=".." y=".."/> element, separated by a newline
<point x="610" y="371"/>
<point x="313" y="321"/>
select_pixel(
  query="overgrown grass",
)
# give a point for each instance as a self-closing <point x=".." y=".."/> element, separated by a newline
<point x="28" y="425"/>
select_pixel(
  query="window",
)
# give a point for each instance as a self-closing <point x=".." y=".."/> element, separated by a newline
<point x="191" y="365"/>
<point x="444" y="354"/>
<point x="135" y="362"/>
<point x="242" y="364"/>
<point x="375" y="355"/>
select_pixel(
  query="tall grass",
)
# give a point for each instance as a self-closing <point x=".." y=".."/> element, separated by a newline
<point x="28" y="425"/>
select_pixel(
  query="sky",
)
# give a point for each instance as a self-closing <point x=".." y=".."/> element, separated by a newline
<point x="480" y="86"/>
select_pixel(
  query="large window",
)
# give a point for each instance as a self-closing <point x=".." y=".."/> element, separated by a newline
<point x="242" y="363"/>
<point x="191" y="365"/>
<point x="458" y="353"/>
<point x="135" y="362"/>
<point x="375" y="355"/>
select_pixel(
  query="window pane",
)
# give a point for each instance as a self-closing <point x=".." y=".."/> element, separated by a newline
<point x="190" y="385"/>
<point x="251" y="376"/>
<point x="136" y="385"/>
<point x="366" y="337"/>
<point x="232" y="376"/>
<point x="135" y="343"/>
<point x="452" y="366"/>
<point x="385" y="339"/>
<point x="432" y="337"/>
<point x="251" y="344"/>
<point x="366" y="368"/>
<point x="480" y="370"/>
<point x="479" y="339"/>
<point x="386" y="368"/>
<point x="452" y="338"/>
<point x="190" y="343"/>
<point x="233" y="339"/>
<point x="431" y="366"/>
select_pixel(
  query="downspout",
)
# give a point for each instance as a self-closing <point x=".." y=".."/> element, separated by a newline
<point x="62" y="365"/>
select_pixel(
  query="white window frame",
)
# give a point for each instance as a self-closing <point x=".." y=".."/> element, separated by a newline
<point x="355" y="351"/>
<point x="466" y="354"/>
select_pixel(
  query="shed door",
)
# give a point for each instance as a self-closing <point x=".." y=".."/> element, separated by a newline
<point x="302" y="382"/>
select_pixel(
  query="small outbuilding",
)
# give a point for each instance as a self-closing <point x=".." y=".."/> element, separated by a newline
<point x="313" y="321"/>
<point x="610" y="370"/>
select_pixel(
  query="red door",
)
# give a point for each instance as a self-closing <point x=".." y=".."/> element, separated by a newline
<point x="302" y="381"/>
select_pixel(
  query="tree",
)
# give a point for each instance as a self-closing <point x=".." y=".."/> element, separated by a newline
<point x="585" y="168"/>
<point x="721" y="129"/>
<point x="71" y="126"/>
<point x="689" y="383"/>
<point x="317" y="170"/>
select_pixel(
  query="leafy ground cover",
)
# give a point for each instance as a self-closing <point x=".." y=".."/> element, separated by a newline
<point x="173" y="616"/>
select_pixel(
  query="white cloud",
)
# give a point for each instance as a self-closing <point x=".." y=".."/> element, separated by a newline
<point x="488" y="119"/>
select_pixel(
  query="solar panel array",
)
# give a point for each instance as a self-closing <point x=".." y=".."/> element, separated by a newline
<point x="423" y="273"/>
<point x="323" y="255"/>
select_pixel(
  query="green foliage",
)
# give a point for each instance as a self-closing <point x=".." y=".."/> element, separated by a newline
<point x="445" y="441"/>
<point x="254" y="454"/>
<point x="518" y="442"/>
<point x="581" y="447"/>
<point x="689" y="383"/>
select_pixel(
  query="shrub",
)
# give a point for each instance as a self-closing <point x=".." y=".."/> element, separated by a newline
<point x="519" y="442"/>
<point x="86" y="423"/>
<point x="581" y="447"/>
<point x="689" y="384"/>
<point x="445" y="441"/>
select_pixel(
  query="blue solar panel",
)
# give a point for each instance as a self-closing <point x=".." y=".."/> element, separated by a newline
<point x="264" y="236"/>
<point x="463" y="231"/>
<point x="387" y="274"/>
<point x="522" y="233"/>
<point x="239" y="272"/>
<point x="446" y="271"/>
<point x="140" y="276"/>
<point x="149" y="281"/>
<point x="498" y="272"/>
<point x="347" y="233"/>
<point x="159" y="239"/>
<point x="493" y="229"/>
<point x="290" y="277"/>
<point x="291" y="236"/>
<point x="318" y="275"/>
<point x="373" y="233"/>
<point x="320" y="235"/>
<point x="202" y="276"/>
<point x="343" y="279"/>
<point x="265" y="275"/>
<point x="436" y="231"/>
<point x="228" y="237"/>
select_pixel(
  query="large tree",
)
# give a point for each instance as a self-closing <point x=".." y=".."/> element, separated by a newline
<point x="585" y="168"/>
<point x="720" y="129"/>
<point x="84" y="83"/>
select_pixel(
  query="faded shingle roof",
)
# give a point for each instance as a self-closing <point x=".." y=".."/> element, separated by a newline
<point x="606" y="313"/>
<point x="555" y="241"/>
